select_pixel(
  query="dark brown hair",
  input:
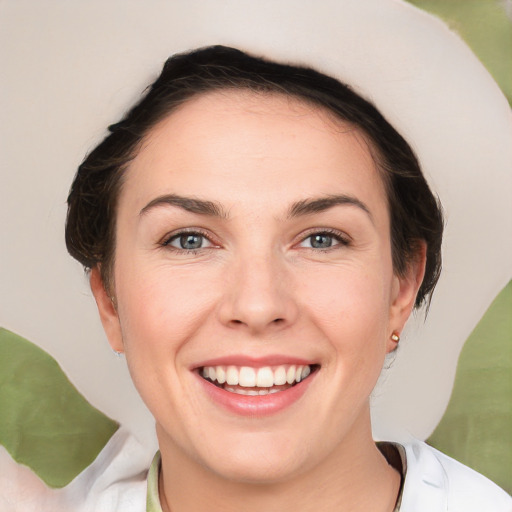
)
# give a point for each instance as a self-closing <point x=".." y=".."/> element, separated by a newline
<point x="414" y="211"/>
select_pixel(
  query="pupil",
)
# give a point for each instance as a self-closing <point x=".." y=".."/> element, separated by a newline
<point x="191" y="241"/>
<point x="321" y="241"/>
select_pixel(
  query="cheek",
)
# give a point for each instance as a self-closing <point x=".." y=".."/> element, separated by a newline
<point x="161" y="307"/>
<point x="351" y="307"/>
<point x="347" y="295"/>
<point x="160" y="311"/>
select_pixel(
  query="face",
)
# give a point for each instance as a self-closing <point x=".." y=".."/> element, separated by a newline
<point x="254" y="284"/>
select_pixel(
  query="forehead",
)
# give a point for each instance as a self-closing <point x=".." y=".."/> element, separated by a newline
<point x="246" y="107"/>
<point x="239" y="143"/>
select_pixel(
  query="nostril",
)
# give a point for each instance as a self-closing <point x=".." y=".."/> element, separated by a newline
<point x="276" y="321"/>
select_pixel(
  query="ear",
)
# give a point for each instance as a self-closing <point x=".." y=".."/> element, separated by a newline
<point x="107" y="310"/>
<point x="404" y="291"/>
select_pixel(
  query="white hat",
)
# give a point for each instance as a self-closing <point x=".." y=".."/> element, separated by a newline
<point x="70" y="69"/>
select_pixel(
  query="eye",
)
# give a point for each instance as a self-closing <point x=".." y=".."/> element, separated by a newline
<point x="323" y="240"/>
<point x="189" y="241"/>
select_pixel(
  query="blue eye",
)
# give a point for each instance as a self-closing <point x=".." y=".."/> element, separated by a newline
<point x="188" y="241"/>
<point x="323" y="241"/>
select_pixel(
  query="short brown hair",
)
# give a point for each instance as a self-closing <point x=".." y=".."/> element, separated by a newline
<point x="415" y="212"/>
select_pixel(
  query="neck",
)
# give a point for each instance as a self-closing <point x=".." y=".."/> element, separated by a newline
<point x="355" y="477"/>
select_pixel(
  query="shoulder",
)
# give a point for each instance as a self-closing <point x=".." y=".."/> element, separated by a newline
<point x="114" y="482"/>
<point x="436" y="482"/>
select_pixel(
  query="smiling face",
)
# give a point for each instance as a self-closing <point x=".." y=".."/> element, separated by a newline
<point x="254" y="285"/>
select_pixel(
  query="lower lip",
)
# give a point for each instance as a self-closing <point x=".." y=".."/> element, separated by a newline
<point x="259" y="405"/>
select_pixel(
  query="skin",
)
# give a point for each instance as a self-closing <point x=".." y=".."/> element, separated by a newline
<point x="257" y="287"/>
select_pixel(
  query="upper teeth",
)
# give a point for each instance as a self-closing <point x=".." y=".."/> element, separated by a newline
<point x="264" y="377"/>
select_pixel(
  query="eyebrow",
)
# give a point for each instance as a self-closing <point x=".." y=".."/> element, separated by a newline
<point x="189" y="204"/>
<point x="321" y="204"/>
<point x="214" y="209"/>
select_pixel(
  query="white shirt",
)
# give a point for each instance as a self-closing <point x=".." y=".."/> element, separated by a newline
<point x="117" y="482"/>
<point x="435" y="482"/>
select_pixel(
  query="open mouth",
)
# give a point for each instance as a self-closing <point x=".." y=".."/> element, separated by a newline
<point x="246" y="380"/>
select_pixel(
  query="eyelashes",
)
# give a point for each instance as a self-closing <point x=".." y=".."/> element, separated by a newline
<point x="193" y="241"/>
<point x="188" y="241"/>
<point x="324" y="240"/>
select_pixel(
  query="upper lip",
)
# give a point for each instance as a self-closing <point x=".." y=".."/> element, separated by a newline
<point x="254" y="362"/>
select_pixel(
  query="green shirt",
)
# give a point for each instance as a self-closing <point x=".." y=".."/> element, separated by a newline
<point x="152" y="497"/>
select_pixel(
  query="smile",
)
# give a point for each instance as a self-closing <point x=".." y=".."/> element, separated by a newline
<point x="250" y="381"/>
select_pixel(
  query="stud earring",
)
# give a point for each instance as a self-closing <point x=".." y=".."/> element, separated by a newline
<point x="395" y="337"/>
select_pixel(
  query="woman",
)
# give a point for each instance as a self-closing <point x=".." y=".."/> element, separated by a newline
<point x="257" y="236"/>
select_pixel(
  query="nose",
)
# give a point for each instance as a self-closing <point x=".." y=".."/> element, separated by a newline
<point x="258" y="296"/>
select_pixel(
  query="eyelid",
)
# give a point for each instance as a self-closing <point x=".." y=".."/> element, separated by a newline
<point x="169" y="237"/>
<point x="340" y="236"/>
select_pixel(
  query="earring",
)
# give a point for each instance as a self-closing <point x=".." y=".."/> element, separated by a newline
<point x="118" y="354"/>
<point x="395" y="336"/>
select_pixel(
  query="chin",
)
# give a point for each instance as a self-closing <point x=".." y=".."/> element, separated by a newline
<point x="259" y="459"/>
